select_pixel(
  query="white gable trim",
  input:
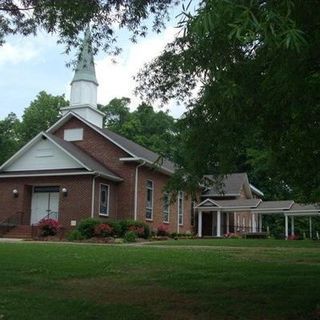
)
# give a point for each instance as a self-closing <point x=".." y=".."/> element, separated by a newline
<point x="208" y="200"/>
<point x="70" y="114"/>
<point x="24" y="149"/>
<point x="65" y="118"/>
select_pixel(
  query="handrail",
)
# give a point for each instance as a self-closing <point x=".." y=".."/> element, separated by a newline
<point x="51" y="215"/>
<point x="11" y="222"/>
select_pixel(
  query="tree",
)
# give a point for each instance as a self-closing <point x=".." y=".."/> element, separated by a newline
<point x="153" y="130"/>
<point x="116" y="113"/>
<point x="69" y="18"/>
<point x="257" y="109"/>
<point x="42" y="113"/>
<point x="9" y="139"/>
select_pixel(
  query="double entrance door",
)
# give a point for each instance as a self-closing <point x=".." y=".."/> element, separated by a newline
<point x="45" y="201"/>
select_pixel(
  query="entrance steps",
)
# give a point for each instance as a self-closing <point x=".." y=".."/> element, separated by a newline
<point x="20" y="232"/>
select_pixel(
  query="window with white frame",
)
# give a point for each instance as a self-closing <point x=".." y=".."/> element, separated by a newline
<point x="166" y="207"/>
<point x="149" y="204"/>
<point x="180" y="208"/>
<point x="104" y="200"/>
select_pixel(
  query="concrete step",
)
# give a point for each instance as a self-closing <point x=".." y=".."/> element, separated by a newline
<point x="20" y="232"/>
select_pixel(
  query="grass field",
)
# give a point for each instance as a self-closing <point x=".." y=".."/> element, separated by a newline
<point x="69" y="281"/>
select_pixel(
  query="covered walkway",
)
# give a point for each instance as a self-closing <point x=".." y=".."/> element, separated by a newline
<point x="223" y="217"/>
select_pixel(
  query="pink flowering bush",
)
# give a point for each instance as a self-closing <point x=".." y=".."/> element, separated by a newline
<point x="162" y="230"/>
<point x="138" y="230"/>
<point x="49" y="227"/>
<point x="103" y="230"/>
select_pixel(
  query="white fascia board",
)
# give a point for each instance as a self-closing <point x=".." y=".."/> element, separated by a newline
<point x="22" y="150"/>
<point x="69" y="114"/>
<point x="147" y="162"/>
<point x="208" y="200"/>
<point x="256" y="190"/>
<point x="65" y="151"/>
<point x="82" y="106"/>
<point x="45" y="174"/>
<point x="112" y="178"/>
<point x="222" y="195"/>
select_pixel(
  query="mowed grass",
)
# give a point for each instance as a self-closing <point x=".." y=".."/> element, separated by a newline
<point x="267" y="243"/>
<point x="68" y="281"/>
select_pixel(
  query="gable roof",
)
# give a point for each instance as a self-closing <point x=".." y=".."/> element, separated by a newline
<point x="71" y="150"/>
<point x="231" y="185"/>
<point x="134" y="150"/>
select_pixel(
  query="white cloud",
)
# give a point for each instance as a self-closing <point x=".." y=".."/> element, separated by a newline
<point x="116" y="79"/>
<point x="15" y="54"/>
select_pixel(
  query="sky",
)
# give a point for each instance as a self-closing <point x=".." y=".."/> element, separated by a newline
<point x="29" y="65"/>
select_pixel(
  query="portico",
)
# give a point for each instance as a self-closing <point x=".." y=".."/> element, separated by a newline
<point x="245" y="215"/>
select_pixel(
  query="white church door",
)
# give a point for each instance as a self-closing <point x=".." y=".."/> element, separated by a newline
<point x="45" y="201"/>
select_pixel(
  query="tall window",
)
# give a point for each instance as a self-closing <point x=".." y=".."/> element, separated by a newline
<point x="166" y="207"/>
<point x="104" y="200"/>
<point x="180" y="208"/>
<point x="149" y="205"/>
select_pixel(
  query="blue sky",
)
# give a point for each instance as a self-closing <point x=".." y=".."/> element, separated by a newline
<point x="30" y="65"/>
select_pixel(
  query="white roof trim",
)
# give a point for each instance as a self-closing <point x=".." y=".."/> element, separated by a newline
<point x="69" y="114"/>
<point x="25" y="148"/>
<point x="256" y="190"/>
<point x="45" y="174"/>
<point x="21" y="151"/>
<point x="207" y="200"/>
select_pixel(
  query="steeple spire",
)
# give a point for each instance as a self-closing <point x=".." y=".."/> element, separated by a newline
<point x="84" y="85"/>
<point x="85" y="70"/>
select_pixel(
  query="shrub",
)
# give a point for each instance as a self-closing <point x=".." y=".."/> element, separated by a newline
<point x="141" y="229"/>
<point x="87" y="227"/>
<point x="75" y="235"/>
<point x="103" y="230"/>
<point x="48" y="227"/>
<point x="130" y="236"/>
<point x="162" y="230"/>
<point x="115" y="225"/>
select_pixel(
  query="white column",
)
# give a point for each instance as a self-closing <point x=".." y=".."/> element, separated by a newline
<point x="260" y="222"/>
<point x="254" y="226"/>
<point x="292" y="225"/>
<point x="218" y="223"/>
<point x="310" y="227"/>
<point x="286" y="226"/>
<point x="228" y="221"/>
<point x="212" y="220"/>
<point x="200" y="224"/>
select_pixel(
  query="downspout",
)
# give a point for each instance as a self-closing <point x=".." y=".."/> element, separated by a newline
<point x="93" y="194"/>
<point x="136" y="190"/>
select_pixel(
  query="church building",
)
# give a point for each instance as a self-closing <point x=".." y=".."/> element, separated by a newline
<point x="79" y="169"/>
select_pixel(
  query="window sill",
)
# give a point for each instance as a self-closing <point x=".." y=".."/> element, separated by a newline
<point x="103" y="214"/>
<point x="166" y="222"/>
<point x="151" y="220"/>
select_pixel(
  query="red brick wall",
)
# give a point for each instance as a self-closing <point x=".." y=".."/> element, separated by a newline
<point x="75" y="206"/>
<point x="159" y="182"/>
<point x="108" y="154"/>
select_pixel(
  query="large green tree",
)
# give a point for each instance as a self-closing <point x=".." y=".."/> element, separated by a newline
<point x="255" y="65"/>
<point x="43" y="112"/>
<point x="9" y="137"/>
<point x="152" y="129"/>
<point x="69" y="18"/>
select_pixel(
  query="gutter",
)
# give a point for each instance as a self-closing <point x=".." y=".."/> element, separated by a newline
<point x="93" y="194"/>
<point x="136" y="190"/>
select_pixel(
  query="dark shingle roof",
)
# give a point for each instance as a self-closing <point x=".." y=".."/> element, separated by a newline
<point x="137" y="150"/>
<point x="83" y="157"/>
<point x="230" y="185"/>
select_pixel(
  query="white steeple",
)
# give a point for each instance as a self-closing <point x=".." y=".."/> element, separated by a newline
<point x="83" y="98"/>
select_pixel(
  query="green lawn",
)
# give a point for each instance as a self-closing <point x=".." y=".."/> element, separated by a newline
<point x="267" y="243"/>
<point x="67" y="281"/>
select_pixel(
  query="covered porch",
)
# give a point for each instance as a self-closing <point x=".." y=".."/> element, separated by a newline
<point x="218" y="217"/>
